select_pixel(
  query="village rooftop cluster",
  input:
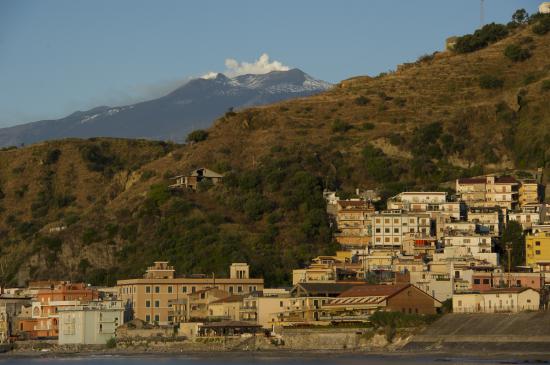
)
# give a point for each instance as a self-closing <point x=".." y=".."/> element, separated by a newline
<point x="427" y="252"/>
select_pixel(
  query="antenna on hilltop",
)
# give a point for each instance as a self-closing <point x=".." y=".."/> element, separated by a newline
<point x="482" y="13"/>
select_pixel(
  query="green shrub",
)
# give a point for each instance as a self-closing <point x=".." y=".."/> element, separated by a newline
<point x="368" y="126"/>
<point x="362" y="100"/>
<point x="52" y="156"/>
<point x="111" y="343"/>
<point x="99" y="159"/>
<point x="516" y="53"/>
<point x="197" y="136"/>
<point x="340" y="126"/>
<point x="490" y="82"/>
<point x="90" y="235"/>
<point x="545" y="86"/>
<point x="481" y="38"/>
<point x="542" y="26"/>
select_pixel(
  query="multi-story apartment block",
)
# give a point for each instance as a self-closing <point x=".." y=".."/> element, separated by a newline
<point x="353" y="218"/>
<point x="529" y="215"/>
<point x="537" y="250"/>
<point x="44" y="319"/>
<point x="390" y="227"/>
<point x="90" y="324"/>
<point x="529" y="192"/>
<point x="431" y="202"/>
<point x="149" y="298"/>
<point x="489" y="191"/>
<point x="488" y="219"/>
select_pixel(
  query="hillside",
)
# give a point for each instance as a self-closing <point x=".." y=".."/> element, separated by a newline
<point x="445" y="116"/>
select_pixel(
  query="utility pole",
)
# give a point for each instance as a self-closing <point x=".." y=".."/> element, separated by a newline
<point x="509" y="253"/>
<point x="482" y="13"/>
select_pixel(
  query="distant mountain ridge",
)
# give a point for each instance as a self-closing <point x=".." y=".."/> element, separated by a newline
<point x="196" y="104"/>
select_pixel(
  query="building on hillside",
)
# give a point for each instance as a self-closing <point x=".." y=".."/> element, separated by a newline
<point x="44" y="320"/>
<point x="391" y="227"/>
<point x="499" y="279"/>
<point x="359" y="302"/>
<point x="265" y="307"/>
<point x="544" y="8"/>
<point x="529" y="215"/>
<point x="489" y="191"/>
<point x="431" y="202"/>
<point x="90" y="324"/>
<point x="530" y="192"/>
<point x="537" y="250"/>
<point x="471" y="243"/>
<point x="497" y="300"/>
<point x="419" y="246"/>
<point x="353" y="220"/>
<point x="196" y="177"/>
<point x="460" y="226"/>
<point x="159" y="286"/>
<point x="489" y="220"/>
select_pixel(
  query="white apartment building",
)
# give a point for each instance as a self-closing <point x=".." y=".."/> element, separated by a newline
<point x="432" y="202"/>
<point x="530" y="214"/>
<point x="490" y="220"/>
<point x="90" y="324"/>
<point x="391" y="227"/>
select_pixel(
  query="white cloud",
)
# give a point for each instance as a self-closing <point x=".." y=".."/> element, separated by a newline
<point x="262" y="65"/>
<point x="210" y="75"/>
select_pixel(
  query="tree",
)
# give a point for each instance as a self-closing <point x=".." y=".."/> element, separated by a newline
<point x="198" y="135"/>
<point x="513" y="233"/>
<point x="520" y="16"/>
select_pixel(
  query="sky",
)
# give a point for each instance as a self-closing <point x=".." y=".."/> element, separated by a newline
<point x="60" y="56"/>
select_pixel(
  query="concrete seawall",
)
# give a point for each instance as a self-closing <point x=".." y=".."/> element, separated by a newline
<point x="500" y="332"/>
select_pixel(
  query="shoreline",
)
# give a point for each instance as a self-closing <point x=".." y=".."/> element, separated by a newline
<point x="538" y="357"/>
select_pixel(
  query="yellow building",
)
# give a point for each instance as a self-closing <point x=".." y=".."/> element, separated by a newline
<point x="150" y="298"/>
<point x="537" y="249"/>
<point x="529" y="192"/>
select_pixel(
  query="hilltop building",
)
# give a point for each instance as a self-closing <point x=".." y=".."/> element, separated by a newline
<point x="195" y="177"/>
<point x="544" y="8"/>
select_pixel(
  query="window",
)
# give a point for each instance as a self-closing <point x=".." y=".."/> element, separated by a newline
<point x="184" y="289"/>
<point x="147" y="318"/>
<point x="386" y="230"/>
<point x="170" y="289"/>
<point x="157" y="303"/>
<point x="281" y="304"/>
<point x="148" y="303"/>
<point x="485" y="281"/>
<point x="147" y="289"/>
<point x="193" y="289"/>
<point x="157" y="318"/>
<point x="537" y="252"/>
<point x="537" y="243"/>
<point x="378" y="230"/>
<point x="396" y="230"/>
<point x="157" y="289"/>
<point x="477" y="281"/>
<point x="239" y="289"/>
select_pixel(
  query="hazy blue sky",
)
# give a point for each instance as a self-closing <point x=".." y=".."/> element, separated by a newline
<point x="59" y="56"/>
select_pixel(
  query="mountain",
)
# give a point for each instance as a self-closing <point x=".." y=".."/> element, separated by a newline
<point x="192" y="106"/>
<point x="100" y="209"/>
